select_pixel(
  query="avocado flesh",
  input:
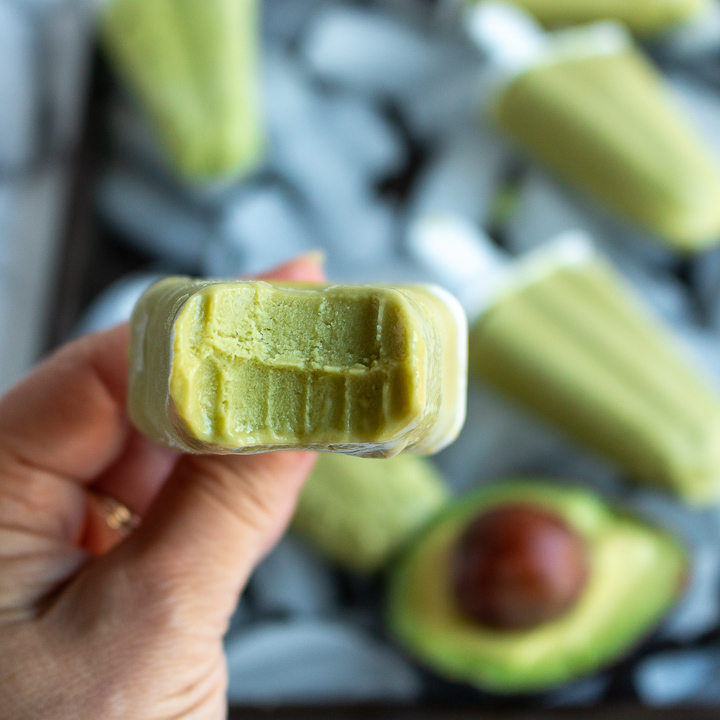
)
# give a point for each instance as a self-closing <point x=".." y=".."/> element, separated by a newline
<point x="644" y="17"/>
<point x="576" y="348"/>
<point x="359" y="512"/>
<point x="253" y="366"/>
<point x="636" y="574"/>
<point x="194" y="66"/>
<point x="606" y="124"/>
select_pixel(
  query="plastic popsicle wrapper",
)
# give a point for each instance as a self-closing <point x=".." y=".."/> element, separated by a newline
<point x="194" y="66"/>
<point x="252" y="366"/>
<point x="569" y="341"/>
<point x="644" y="17"/>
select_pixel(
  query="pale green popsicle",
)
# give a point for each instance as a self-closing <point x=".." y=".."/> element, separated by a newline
<point x="644" y="17"/>
<point x="577" y="348"/>
<point x="607" y="124"/>
<point x="359" y="512"/>
<point x="194" y="66"/>
<point x="250" y="366"/>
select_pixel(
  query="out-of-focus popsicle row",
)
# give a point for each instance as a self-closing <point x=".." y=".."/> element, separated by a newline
<point x="587" y="103"/>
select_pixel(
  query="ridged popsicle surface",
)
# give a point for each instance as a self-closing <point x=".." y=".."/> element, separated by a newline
<point x="257" y="364"/>
<point x="580" y="351"/>
<point x="608" y="124"/>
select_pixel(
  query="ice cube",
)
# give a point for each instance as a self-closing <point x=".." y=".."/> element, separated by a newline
<point x="709" y="695"/>
<point x="316" y="661"/>
<point x="283" y="21"/>
<point x="698" y="37"/>
<point x="261" y="228"/>
<point x="618" y="237"/>
<point x="660" y="290"/>
<point x="455" y="93"/>
<point x="702" y="348"/>
<point x="673" y="677"/>
<point x="546" y="208"/>
<point x="412" y="12"/>
<point x="706" y="279"/>
<point x="699" y="610"/>
<point x="294" y="581"/>
<point x="462" y="177"/>
<point x="369" y="52"/>
<point x="116" y="303"/>
<point x="511" y="37"/>
<point x="702" y="107"/>
<point x="351" y="222"/>
<point x="19" y="87"/>
<point x="501" y="440"/>
<point x="151" y="219"/>
<point x="364" y="135"/>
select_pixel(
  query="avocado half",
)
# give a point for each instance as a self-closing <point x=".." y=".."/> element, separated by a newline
<point x="636" y="572"/>
<point x="360" y="512"/>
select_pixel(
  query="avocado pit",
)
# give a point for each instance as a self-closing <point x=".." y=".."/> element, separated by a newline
<point x="518" y="566"/>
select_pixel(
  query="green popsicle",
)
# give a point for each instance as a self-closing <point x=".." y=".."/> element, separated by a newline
<point x="576" y="348"/>
<point x="644" y="17"/>
<point x="360" y="512"/>
<point x="251" y="366"/>
<point x="194" y="65"/>
<point x="607" y="124"/>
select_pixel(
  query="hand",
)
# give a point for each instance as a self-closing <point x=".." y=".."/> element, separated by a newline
<point x="96" y="625"/>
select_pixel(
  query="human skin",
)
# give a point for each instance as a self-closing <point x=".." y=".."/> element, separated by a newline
<point x="94" y="624"/>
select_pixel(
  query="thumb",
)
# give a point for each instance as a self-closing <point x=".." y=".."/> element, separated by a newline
<point x="212" y="522"/>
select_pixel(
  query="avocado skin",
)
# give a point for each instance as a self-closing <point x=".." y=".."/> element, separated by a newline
<point x="637" y="572"/>
<point x="359" y="512"/>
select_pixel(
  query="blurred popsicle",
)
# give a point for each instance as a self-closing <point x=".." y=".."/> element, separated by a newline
<point x="591" y="107"/>
<point x="359" y="512"/>
<point x="559" y="333"/>
<point x="644" y="17"/>
<point x="193" y="63"/>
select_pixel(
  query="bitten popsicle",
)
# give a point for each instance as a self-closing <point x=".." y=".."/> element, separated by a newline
<point x="252" y="366"/>
<point x="561" y="334"/>
<point x="589" y="105"/>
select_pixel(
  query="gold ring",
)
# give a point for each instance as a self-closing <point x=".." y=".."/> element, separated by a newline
<point x="116" y="515"/>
